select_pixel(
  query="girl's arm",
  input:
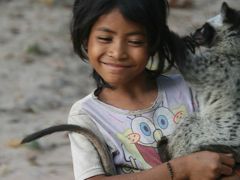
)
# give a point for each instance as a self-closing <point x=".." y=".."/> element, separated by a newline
<point x="202" y="165"/>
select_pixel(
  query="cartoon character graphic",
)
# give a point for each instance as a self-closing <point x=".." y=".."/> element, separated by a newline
<point x="140" y="142"/>
<point x="164" y="119"/>
<point x="131" y="153"/>
<point x="180" y="114"/>
<point x="145" y="137"/>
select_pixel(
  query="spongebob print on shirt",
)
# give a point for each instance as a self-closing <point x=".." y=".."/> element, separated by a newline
<point x="139" y="143"/>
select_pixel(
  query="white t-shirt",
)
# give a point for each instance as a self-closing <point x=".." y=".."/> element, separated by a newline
<point x="130" y="135"/>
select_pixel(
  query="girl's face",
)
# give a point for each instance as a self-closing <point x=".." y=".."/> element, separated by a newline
<point x="117" y="49"/>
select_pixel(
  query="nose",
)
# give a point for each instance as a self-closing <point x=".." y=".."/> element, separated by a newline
<point x="118" y="50"/>
<point x="157" y="135"/>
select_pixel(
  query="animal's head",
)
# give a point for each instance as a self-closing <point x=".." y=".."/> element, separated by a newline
<point x="220" y="60"/>
<point x="218" y="27"/>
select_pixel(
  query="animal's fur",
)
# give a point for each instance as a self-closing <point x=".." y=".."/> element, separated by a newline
<point x="214" y="76"/>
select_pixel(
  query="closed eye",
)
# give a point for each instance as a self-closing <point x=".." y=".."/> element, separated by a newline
<point x="136" y="43"/>
<point x="104" y="39"/>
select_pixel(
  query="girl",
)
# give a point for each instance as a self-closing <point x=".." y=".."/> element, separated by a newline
<point x="133" y="106"/>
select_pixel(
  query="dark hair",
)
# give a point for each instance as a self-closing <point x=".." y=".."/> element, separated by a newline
<point x="151" y="14"/>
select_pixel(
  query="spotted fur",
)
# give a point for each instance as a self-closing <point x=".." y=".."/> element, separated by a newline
<point x="213" y="73"/>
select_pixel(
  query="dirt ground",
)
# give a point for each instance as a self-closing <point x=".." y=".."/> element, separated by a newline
<point x="41" y="77"/>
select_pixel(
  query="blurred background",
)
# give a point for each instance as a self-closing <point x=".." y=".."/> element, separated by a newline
<point x="41" y="77"/>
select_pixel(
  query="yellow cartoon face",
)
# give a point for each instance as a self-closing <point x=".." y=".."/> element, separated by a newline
<point x="166" y="119"/>
<point x="145" y="132"/>
<point x="140" y="141"/>
<point x="132" y="152"/>
<point x="163" y="120"/>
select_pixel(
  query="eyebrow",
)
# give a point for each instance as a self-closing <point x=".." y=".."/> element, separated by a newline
<point x="105" y="29"/>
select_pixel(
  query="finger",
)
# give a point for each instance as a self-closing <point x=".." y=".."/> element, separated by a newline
<point x="237" y="171"/>
<point x="226" y="154"/>
<point x="227" y="159"/>
<point x="232" y="177"/>
<point x="229" y="155"/>
<point x="226" y="170"/>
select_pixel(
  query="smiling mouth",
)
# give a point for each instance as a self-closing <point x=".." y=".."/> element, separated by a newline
<point x="116" y="66"/>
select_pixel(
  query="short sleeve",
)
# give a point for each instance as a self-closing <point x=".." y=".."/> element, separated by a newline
<point x="86" y="162"/>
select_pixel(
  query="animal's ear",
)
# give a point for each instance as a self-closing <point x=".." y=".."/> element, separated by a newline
<point x="225" y="11"/>
<point x="229" y="15"/>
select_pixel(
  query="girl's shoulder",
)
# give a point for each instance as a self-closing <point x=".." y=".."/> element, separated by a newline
<point x="77" y="107"/>
<point x="79" y="116"/>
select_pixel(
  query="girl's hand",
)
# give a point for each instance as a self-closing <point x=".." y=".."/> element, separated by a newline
<point x="235" y="176"/>
<point x="207" y="165"/>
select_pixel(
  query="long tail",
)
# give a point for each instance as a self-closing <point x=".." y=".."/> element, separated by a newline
<point x="97" y="143"/>
<point x="50" y="130"/>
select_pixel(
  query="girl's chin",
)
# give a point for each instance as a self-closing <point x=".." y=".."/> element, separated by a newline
<point x="117" y="82"/>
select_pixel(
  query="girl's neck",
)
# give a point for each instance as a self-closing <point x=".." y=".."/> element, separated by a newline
<point x="136" y="95"/>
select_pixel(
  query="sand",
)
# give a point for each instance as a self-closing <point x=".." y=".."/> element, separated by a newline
<point x="41" y="77"/>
